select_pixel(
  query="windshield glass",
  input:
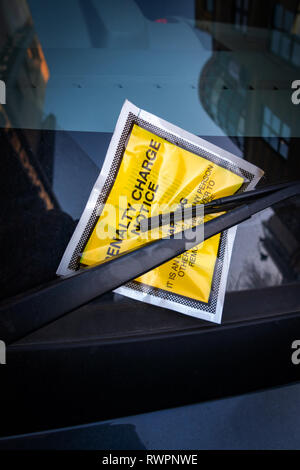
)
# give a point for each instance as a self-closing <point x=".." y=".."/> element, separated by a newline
<point x="226" y="71"/>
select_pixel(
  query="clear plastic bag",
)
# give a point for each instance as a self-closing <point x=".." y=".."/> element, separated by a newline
<point x="153" y="167"/>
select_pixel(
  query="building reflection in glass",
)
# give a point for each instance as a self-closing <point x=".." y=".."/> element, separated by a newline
<point x="23" y="67"/>
<point x="24" y="71"/>
<point x="246" y="88"/>
<point x="33" y="230"/>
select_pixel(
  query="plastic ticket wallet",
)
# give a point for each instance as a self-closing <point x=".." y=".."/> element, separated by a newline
<point x="152" y="167"/>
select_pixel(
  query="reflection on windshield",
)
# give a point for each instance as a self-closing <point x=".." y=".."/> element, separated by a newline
<point x="221" y="70"/>
<point x="24" y="71"/>
<point x="23" y="66"/>
<point x="246" y="88"/>
<point x="111" y="51"/>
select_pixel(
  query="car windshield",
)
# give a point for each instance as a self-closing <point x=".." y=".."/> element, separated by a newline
<point x="226" y="71"/>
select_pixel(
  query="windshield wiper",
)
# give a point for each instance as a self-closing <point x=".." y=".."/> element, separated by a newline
<point x="28" y="312"/>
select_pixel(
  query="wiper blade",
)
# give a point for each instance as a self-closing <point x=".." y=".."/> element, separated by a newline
<point x="215" y="206"/>
<point x="28" y="312"/>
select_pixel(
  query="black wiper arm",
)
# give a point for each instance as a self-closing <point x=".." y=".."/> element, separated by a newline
<point x="28" y="312"/>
